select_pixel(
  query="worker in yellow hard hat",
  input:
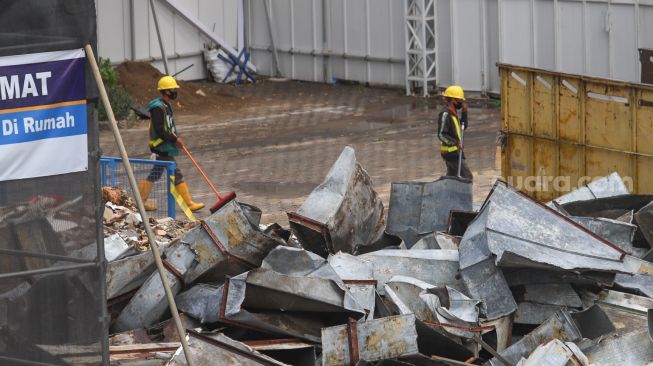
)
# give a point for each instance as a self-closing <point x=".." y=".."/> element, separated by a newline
<point x="164" y="142"/>
<point x="452" y="121"/>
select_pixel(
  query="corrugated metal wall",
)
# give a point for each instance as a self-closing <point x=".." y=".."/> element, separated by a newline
<point x="355" y="30"/>
<point x="126" y="31"/>
<point x="592" y="37"/>
<point x="365" y="39"/>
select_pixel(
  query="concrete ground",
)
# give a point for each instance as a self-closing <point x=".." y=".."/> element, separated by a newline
<point x="279" y="146"/>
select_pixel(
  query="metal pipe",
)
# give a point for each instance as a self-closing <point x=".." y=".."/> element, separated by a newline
<point x="139" y="203"/>
<point x="176" y="56"/>
<point x="330" y="54"/>
<point x="158" y="35"/>
<point x="34" y="272"/>
<point x="275" y="56"/>
<point x="326" y="29"/>
<point x="20" y="253"/>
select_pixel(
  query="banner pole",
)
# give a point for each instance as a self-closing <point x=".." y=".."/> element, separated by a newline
<point x="139" y="203"/>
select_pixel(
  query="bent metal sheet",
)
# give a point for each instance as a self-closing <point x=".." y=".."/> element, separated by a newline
<point x="43" y="114"/>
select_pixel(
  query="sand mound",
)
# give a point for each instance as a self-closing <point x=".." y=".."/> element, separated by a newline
<point x="140" y="78"/>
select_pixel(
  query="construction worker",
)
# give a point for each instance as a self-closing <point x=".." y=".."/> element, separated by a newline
<point x="164" y="142"/>
<point x="450" y="125"/>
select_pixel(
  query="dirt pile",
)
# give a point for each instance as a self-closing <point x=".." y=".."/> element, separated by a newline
<point x="140" y="78"/>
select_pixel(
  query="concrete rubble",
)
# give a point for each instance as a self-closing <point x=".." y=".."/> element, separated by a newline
<point x="520" y="283"/>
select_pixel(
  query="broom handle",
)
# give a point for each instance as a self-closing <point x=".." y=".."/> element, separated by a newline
<point x="183" y="147"/>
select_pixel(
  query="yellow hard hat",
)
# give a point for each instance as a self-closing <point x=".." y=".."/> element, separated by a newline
<point x="167" y="82"/>
<point x="455" y="92"/>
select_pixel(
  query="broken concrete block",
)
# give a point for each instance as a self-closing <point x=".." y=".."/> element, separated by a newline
<point x="342" y="213"/>
<point x="420" y="208"/>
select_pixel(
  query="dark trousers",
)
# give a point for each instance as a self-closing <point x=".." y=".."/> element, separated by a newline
<point x="451" y="160"/>
<point x="157" y="171"/>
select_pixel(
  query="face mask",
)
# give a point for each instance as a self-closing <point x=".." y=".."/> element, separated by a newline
<point x="458" y="105"/>
<point x="172" y="95"/>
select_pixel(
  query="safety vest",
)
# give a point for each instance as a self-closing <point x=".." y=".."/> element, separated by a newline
<point x="447" y="148"/>
<point x="157" y="143"/>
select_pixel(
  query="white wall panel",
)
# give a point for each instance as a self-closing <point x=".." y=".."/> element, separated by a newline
<point x="357" y="29"/>
<point x="182" y="41"/>
<point x="366" y="39"/>
<point x="544" y="34"/>
<point x="597" y="39"/>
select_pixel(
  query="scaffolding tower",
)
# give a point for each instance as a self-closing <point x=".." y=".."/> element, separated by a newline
<point x="421" y="41"/>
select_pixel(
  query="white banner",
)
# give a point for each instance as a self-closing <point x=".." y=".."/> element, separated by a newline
<point x="43" y="124"/>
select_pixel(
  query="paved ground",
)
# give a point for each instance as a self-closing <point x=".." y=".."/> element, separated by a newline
<point x="275" y="150"/>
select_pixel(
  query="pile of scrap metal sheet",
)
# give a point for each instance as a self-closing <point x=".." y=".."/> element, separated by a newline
<point x="518" y="283"/>
<point x="226" y="243"/>
<point x="342" y="213"/>
<point x="421" y="208"/>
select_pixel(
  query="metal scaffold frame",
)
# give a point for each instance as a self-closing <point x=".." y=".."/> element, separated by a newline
<point x="421" y="43"/>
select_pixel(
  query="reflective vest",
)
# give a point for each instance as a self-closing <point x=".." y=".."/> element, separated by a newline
<point x="446" y="148"/>
<point x="156" y="142"/>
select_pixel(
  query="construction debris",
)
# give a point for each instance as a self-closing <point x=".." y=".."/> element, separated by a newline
<point x="342" y="213"/>
<point x="418" y="208"/>
<point x="524" y="283"/>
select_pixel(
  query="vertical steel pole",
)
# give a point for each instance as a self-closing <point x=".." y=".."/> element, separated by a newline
<point x="139" y="203"/>
<point x="275" y="55"/>
<point x="164" y="56"/>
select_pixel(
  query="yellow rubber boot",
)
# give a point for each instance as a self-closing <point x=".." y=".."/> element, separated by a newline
<point x="182" y="188"/>
<point x="145" y="187"/>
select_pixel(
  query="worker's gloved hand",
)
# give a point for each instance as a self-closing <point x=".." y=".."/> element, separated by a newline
<point x="460" y="146"/>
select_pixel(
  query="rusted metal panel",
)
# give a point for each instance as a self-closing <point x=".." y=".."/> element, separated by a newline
<point x="342" y="213"/>
<point x="570" y="126"/>
<point x="544" y="104"/>
<point x="518" y="101"/>
<point x="400" y="337"/>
